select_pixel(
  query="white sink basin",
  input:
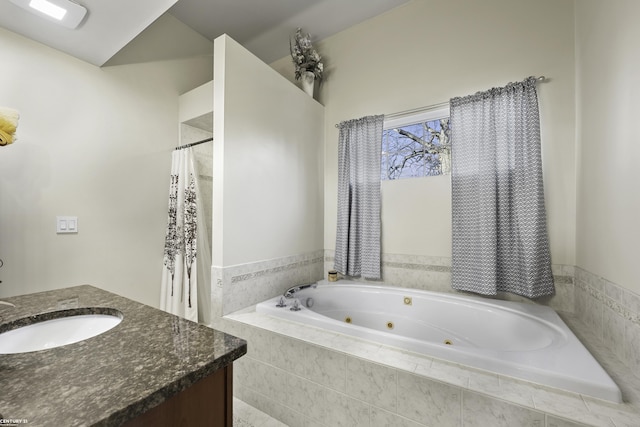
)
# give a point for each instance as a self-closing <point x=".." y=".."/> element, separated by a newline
<point x="56" y="332"/>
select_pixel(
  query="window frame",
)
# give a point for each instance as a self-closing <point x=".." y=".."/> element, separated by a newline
<point x="435" y="113"/>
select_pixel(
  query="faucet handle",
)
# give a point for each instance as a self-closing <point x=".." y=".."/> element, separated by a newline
<point x="281" y="303"/>
<point x="296" y="305"/>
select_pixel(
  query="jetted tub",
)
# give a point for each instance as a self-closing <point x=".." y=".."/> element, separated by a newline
<point x="521" y="340"/>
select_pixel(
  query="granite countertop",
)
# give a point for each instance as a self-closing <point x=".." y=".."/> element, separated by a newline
<point x="113" y="377"/>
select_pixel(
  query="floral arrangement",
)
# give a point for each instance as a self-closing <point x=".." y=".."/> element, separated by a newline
<point x="305" y="57"/>
<point x="8" y="125"/>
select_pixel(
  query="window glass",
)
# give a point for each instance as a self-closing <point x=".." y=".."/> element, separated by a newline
<point x="416" y="149"/>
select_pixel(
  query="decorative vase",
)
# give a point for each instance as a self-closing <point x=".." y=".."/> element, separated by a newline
<point x="308" y="82"/>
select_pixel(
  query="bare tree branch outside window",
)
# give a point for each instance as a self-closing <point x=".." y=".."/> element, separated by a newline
<point x="416" y="150"/>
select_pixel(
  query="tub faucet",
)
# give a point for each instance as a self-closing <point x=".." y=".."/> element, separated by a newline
<point x="292" y="290"/>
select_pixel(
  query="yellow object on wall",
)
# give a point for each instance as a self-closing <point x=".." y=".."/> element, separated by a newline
<point x="8" y="125"/>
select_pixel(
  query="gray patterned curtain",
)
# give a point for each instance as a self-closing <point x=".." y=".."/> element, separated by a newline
<point x="358" y="229"/>
<point x="500" y="238"/>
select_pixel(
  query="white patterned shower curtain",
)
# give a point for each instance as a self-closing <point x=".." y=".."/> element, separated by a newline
<point x="179" y="294"/>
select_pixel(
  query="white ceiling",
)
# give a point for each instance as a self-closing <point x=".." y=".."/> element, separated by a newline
<point x="108" y="26"/>
<point x="263" y="27"/>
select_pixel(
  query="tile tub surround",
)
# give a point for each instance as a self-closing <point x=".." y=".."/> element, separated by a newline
<point x="240" y="286"/>
<point x="113" y="377"/>
<point x="305" y="376"/>
<point x="433" y="273"/>
<point x="612" y="314"/>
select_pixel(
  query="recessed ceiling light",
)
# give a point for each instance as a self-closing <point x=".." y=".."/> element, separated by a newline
<point x="63" y="12"/>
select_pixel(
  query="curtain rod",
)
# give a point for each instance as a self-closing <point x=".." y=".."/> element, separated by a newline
<point x="417" y="110"/>
<point x="414" y="111"/>
<point x="540" y="79"/>
<point x="193" y="143"/>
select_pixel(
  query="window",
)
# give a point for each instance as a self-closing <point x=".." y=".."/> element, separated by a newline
<point x="416" y="145"/>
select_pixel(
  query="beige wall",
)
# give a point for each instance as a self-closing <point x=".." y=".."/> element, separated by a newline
<point x="196" y="103"/>
<point x="92" y="140"/>
<point x="428" y="51"/>
<point x="608" y="88"/>
<point x="268" y="168"/>
<point x="95" y="143"/>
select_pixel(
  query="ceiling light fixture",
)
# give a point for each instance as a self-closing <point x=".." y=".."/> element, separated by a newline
<point x="64" y="12"/>
<point x="48" y="8"/>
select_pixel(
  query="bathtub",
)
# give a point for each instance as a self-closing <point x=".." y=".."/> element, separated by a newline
<point x="525" y="341"/>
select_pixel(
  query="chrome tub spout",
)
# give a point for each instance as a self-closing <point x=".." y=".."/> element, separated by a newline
<point x="292" y="290"/>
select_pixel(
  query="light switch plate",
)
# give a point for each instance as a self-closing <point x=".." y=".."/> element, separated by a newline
<point x="66" y="224"/>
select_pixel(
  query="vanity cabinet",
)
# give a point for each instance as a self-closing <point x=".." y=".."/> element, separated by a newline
<point x="152" y="369"/>
<point x="208" y="402"/>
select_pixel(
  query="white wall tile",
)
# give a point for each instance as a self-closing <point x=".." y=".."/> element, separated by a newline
<point x="614" y="336"/>
<point x="447" y="372"/>
<point x="564" y="299"/>
<point x="566" y="405"/>
<point x="305" y="397"/>
<point x="258" y="344"/>
<point x="311" y="423"/>
<point x="559" y="422"/>
<point x="373" y="383"/>
<point x="340" y="410"/>
<point x="482" y="411"/>
<point x="623" y="414"/>
<point x="287" y="354"/>
<point x="632" y="301"/>
<point x="428" y="402"/>
<point x="326" y="367"/>
<point x="513" y="390"/>
<point x="632" y="346"/>
<point x="613" y="291"/>
<point x="382" y="418"/>
<point x="400" y="359"/>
